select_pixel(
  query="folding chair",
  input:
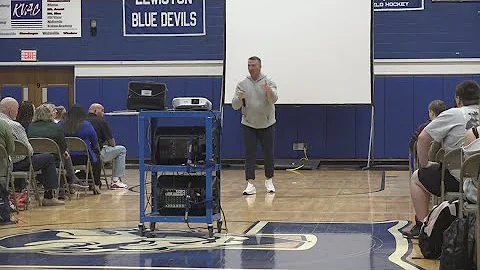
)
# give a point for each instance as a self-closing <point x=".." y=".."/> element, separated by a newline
<point x="451" y="161"/>
<point x="49" y="146"/>
<point x="470" y="169"/>
<point x="102" y="163"/>
<point x="8" y="180"/>
<point x="22" y="150"/>
<point x="77" y="144"/>
<point x="434" y="150"/>
<point x="440" y="155"/>
<point x="105" y="177"/>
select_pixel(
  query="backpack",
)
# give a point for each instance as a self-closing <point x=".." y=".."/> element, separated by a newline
<point x="5" y="210"/>
<point x="459" y="244"/>
<point x="431" y="234"/>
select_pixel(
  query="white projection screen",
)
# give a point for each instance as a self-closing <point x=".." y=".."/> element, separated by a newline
<point x="317" y="51"/>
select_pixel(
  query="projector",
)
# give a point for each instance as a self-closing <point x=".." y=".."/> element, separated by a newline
<point x="191" y="103"/>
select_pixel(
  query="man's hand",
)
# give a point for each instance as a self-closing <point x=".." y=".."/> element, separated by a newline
<point x="266" y="87"/>
<point x="241" y="94"/>
<point x="268" y="92"/>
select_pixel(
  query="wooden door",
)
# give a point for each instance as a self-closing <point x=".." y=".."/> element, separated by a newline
<point x="22" y="77"/>
<point x="48" y="76"/>
<point x="35" y="81"/>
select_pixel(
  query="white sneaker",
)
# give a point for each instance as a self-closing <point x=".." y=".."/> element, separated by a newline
<point x="118" y="184"/>
<point x="269" y="185"/>
<point x="250" y="189"/>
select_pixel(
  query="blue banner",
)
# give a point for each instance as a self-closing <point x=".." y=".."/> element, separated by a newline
<point x="398" y="5"/>
<point x="164" y="18"/>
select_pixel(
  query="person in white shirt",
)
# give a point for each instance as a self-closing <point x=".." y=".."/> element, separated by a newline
<point x="449" y="129"/>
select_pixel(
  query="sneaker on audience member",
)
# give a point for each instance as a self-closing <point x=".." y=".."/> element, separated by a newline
<point x="118" y="184"/>
<point x="414" y="232"/>
<point x="79" y="184"/>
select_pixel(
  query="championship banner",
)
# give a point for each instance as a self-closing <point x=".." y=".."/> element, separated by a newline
<point x="395" y="5"/>
<point x="164" y="18"/>
<point x="40" y="18"/>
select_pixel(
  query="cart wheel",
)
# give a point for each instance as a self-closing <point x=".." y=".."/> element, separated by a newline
<point x="141" y="229"/>
<point x="152" y="226"/>
<point x="219" y="226"/>
<point x="210" y="232"/>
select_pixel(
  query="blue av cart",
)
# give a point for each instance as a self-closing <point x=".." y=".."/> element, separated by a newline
<point x="147" y="121"/>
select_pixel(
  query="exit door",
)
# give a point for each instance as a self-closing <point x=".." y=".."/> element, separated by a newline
<point x="38" y="84"/>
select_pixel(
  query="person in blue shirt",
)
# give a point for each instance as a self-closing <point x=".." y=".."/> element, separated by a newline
<point x="75" y="125"/>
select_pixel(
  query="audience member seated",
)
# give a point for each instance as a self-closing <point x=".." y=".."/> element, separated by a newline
<point x="43" y="162"/>
<point x="60" y="113"/>
<point x="449" y="128"/>
<point x="25" y="115"/>
<point x="110" y="151"/>
<point x="44" y="127"/>
<point x="434" y="109"/>
<point x="7" y="142"/>
<point x="75" y="125"/>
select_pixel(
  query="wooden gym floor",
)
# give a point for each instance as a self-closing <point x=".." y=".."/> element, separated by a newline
<point x="321" y="219"/>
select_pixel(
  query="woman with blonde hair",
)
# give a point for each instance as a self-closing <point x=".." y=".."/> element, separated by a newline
<point x="43" y="126"/>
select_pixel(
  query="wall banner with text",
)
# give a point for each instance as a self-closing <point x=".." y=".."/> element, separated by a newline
<point x="396" y="5"/>
<point x="164" y="18"/>
<point x="40" y="18"/>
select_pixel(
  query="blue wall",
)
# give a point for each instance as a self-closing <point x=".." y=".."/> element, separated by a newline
<point x="442" y="30"/>
<point x="330" y="131"/>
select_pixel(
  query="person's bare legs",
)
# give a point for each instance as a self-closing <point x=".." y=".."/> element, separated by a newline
<point x="420" y="197"/>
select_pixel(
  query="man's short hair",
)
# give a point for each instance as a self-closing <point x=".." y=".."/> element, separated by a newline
<point x="437" y="106"/>
<point x="468" y="92"/>
<point x="255" y="58"/>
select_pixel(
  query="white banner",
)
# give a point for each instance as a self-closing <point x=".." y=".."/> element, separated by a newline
<point x="40" y="18"/>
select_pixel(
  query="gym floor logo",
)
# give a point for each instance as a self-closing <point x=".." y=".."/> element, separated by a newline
<point x="124" y="241"/>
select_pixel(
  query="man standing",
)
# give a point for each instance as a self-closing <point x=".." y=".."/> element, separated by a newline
<point x="449" y="129"/>
<point x="256" y="95"/>
<point x="109" y="150"/>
